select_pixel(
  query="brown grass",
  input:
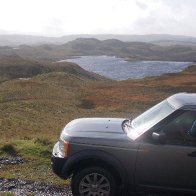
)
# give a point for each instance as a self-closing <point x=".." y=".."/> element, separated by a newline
<point x="41" y="106"/>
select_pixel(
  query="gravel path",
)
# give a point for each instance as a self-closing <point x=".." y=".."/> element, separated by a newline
<point x="10" y="161"/>
<point x="22" y="188"/>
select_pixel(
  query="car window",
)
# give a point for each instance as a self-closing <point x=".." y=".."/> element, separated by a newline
<point x="182" y="129"/>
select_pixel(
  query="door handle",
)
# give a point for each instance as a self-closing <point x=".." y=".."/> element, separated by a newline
<point x="192" y="154"/>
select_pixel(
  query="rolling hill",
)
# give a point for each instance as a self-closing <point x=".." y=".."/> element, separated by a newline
<point x="132" y="51"/>
<point x="17" y="39"/>
<point x="13" y="67"/>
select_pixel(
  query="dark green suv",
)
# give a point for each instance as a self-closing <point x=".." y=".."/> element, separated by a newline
<point x="110" y="156"/>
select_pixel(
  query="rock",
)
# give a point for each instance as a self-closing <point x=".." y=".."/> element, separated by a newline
<point x="10" y="161"/>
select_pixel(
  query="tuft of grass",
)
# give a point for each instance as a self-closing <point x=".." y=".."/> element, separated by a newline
<point x="9" y="149"/>
<point x="43" y="141"/>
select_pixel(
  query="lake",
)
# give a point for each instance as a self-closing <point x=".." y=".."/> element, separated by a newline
<point x="120" y="69"/>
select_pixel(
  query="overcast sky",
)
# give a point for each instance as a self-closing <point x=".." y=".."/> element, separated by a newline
<point x="62" y="17"/>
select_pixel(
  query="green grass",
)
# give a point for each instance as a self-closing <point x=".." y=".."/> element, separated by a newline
<point x="36" y="154"/>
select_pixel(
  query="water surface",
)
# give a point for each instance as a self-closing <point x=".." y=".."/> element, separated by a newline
<point x="120" y="69"/>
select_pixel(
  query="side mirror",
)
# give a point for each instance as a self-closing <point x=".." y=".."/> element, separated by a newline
<point x="159" y="137"/>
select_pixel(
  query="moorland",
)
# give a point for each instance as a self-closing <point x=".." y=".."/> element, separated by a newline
<point x="38" y="97"/>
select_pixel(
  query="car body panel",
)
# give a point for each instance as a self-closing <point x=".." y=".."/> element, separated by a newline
<point x="166" y="166"/>
<point x="125" y="156"/>
<point x="101" y="125"/>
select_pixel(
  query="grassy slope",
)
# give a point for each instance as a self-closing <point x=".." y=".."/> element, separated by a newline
<point x="13" y="67"/>
<point x="34" y="111"/>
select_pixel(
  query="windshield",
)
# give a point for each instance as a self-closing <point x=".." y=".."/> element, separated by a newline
<point x="148" y="119"/>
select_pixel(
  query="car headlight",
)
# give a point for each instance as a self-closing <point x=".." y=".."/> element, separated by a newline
<point x="63" y="148"/>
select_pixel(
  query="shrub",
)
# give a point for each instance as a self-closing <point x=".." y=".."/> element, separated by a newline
<point x="87" y="104"/>
<point x="9" y="149"/>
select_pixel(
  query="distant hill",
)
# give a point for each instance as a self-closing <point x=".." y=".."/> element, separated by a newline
<point x="8" y="52"/>
<point x="132" y="51"/>
<point x="16" y="40"/>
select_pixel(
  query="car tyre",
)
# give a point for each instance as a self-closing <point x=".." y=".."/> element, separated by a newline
<point x="93" y="181"/>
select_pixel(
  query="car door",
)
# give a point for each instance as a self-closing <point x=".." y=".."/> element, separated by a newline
<point x="172" y="164"/>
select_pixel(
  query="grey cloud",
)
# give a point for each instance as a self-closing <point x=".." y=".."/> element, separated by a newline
<point x="141" y="4"/>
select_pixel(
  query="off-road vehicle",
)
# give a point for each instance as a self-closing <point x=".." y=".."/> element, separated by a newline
<point x="154" y="151"/>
